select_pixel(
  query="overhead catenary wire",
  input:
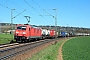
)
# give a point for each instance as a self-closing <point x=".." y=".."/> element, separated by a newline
<point x="19" y="13"/>
<point x="14" y="11"/>
<point x="37" y="4"/>
<point x="20" y="6"/>
<point x="15" y="4"/>
<point x="10" y="9"/>
<point x="42" y="9"/>
<point x="48" y="13"/>
<point x="5" y="7"/>
<point x="30" y="6"/>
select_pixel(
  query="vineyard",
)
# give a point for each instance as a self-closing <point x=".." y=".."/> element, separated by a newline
<point x="77" y="49"/>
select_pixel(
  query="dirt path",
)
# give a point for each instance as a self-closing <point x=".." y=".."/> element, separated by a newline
<point x="59" y="57"/>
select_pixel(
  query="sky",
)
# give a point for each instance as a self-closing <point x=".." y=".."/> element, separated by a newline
<point x="73" y="13"/>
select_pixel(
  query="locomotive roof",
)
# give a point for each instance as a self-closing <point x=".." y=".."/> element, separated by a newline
<point x="29" y="25"/>
<point x="35" y="27"/>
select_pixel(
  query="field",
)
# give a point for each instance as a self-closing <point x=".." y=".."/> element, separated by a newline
<point x="49" y="53"/>
<point x="5" y="38"/>
<point x="77" y="49"/>
<point x="74" y="49"/>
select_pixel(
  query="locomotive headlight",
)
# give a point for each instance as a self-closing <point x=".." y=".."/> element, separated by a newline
<point x="24" y="33"/>
<point x="17" y="32"/>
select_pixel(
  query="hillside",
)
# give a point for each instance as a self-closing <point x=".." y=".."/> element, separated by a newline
<point x="7" y="26"/>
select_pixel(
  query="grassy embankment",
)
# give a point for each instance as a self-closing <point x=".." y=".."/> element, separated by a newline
<point x="49" y="53"/>
<point x="5" y="38"/>
<point x="77" y="49"/>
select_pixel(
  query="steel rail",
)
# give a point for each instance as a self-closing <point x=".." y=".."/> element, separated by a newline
<point x="13" y="51"/>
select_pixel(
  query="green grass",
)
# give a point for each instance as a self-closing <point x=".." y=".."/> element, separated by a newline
<point x="49" y="53"/>
<point x="5" y="38"/>
<point x="77" y="49"/>
<point x="5" y="35"/>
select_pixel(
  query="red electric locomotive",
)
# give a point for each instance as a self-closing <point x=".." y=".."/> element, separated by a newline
<point x="25" y="33"/>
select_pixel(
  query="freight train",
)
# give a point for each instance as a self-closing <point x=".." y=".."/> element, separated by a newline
<point x="26" y="32"/>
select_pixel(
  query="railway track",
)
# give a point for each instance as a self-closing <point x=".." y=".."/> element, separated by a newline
<point x="6" y="45"/>
<point x="11" y="50"/>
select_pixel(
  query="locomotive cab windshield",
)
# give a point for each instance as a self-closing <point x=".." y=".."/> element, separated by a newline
<point x="21" y="27"/>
